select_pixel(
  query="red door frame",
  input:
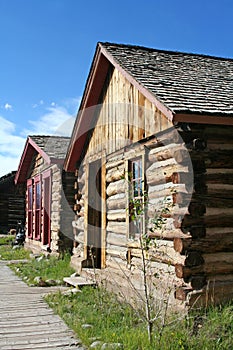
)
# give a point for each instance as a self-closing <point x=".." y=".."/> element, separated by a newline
<point x="46" y="236"/>
<point x="37" y="207"/>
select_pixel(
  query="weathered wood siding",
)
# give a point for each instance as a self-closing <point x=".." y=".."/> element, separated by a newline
<point x="124" y="116"/>
<point x="12" y="203"/>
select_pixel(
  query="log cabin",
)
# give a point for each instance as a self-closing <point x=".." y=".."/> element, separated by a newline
<point x="158" y="123"/>
<point x="12" y="203"/>
<point x="48" y="195"/>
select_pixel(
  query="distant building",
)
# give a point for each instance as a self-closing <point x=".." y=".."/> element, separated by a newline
<point x="49" y="193"/>
<point x="12" y="203"/>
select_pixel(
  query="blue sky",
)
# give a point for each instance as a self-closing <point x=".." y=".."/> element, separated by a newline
<point x="47" y="47"/>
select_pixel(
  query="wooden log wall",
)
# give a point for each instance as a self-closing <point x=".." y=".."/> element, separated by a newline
<point x="12" y="203"/>
<point x="79" y="207"/>
<point x="116" y="207"/>
<point x="167" y="175"/>
<point x="202" y="203"/>
<point x="207" y="268"/>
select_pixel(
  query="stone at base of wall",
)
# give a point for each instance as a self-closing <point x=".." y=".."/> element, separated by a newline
<point x="76" y="263"/>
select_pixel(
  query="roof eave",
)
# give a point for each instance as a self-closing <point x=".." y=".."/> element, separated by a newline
<point x="97" y="75"/>
<point x="203" y="118"/>
<point x="29" y="149"/>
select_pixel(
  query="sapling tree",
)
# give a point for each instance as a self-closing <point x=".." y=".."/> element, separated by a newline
<point x="148" y="246"/>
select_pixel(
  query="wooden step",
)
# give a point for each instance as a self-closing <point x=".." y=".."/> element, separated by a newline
<point x="78" y="281"/>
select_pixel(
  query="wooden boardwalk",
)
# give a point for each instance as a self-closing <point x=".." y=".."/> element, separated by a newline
<point x="26" y="321"/>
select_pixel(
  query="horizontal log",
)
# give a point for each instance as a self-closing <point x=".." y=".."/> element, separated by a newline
<point x="164" y="171"/>
<point x="117" y="215"/>
<point x="165" y="190"/>
<point x="220" y="190"/>
<point x="115" y="187"/>
<point x="209" y="244"/>
<point x="119" y="252"/>
<point x="199" y="281"/>
<point x="215" y="231"/>
<point x="163" y="269"/>
<point x="115" y="174"/>
<point x="186" y="272"/>
<point x="117" y="227"/>
<point x="214" y="158"/>
<point x="173" y="150"/>
<point x="112" y="163"/>
<point x="214" y="220"/>
<point x="212" y="294"/>
<point x="219" y="175"/>
<point x="217" y="132"/>
<point x="163" y="254"/>
<point x="165" y="137"/>
<point x="116" y="263"/>
<point x="118" y="201"/>
<point x="169" y="234"/>
<point x="213" y="264"/>
<point x="116" y="239"/>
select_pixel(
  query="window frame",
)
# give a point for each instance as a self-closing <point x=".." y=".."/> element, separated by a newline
<point x="141" y="187"/>
<point x="46" y="210"/>
<point x="37" y="207"/>
<point x="30" y="209"/>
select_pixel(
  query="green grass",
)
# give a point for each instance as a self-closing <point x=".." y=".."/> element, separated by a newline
<point x="7" y="239"/>
<point x="113" y="321"/>
<point x="8" y="253"/>
<point x="51" y="268"/>
<point x="117" y="322"/>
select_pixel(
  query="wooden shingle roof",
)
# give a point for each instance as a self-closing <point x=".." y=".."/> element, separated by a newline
<point x="52" y="148"/>
<point x="187" y="83"/>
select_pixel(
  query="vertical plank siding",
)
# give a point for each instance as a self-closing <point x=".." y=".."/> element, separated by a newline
<point x="125" y="117"/>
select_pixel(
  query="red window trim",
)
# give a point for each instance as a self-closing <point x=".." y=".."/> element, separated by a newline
<point x="30" y="208"/>
<point x="46" y="236"/>
<point x="37" y="208"/>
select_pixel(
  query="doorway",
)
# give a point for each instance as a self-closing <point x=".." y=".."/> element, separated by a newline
<point x="94" y="215"/>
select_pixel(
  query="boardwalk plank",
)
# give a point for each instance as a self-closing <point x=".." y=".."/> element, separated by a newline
<point x="26" y="321"/>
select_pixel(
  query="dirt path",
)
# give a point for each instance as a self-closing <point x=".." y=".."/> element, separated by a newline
<point x="26" y="321"/>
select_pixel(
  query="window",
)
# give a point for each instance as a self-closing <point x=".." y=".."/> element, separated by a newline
<point x="37" y="194"/>
<point x="46" y="208"/>
<point x="136" y="198"/>
<point x="30" y="208"/>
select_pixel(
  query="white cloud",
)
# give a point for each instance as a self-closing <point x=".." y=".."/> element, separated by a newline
<point x="56" y="121"/>
<point x="8" y="107"/>
<point x="11" y="147"/>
